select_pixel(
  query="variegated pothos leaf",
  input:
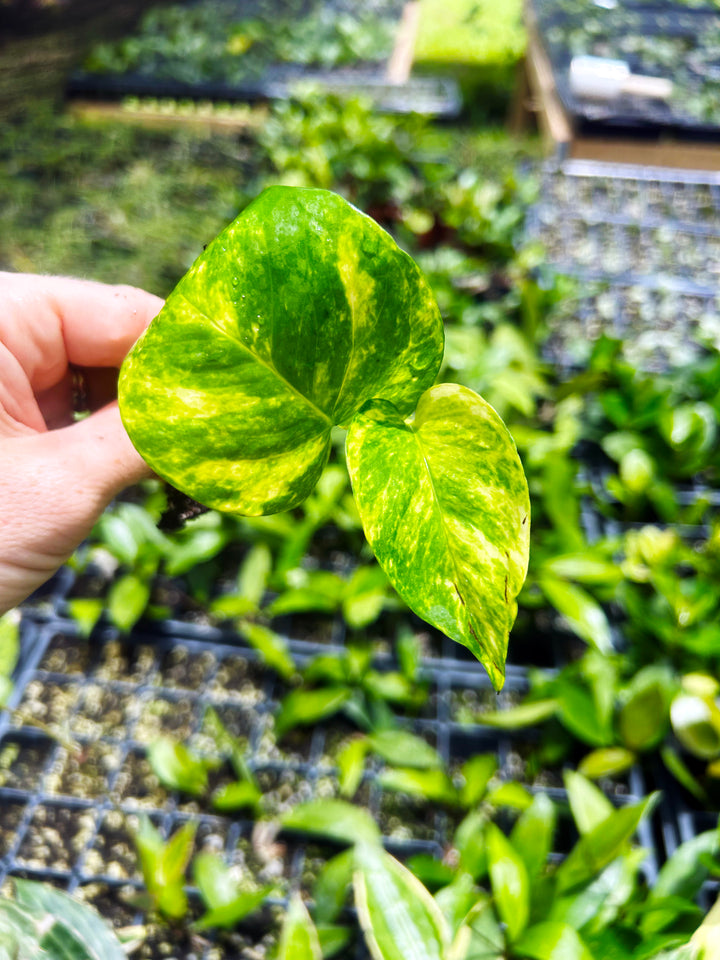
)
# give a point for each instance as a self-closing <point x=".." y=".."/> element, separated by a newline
<point x="303" y="315"/>
<point x="444" y="503"/>
<point x="297" y="314"/>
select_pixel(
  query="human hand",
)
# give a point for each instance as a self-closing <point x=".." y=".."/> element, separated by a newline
<point x="57" y="475"/>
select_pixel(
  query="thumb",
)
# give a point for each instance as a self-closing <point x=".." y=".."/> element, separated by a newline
<point x="53" y="487"/>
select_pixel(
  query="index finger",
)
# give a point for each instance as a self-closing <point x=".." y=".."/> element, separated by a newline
<point x="50" y="322"/>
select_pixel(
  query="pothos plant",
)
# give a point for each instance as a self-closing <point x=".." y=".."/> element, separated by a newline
<point x="302" y="317"/>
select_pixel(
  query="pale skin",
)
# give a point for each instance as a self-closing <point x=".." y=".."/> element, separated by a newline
<point x="57" y="475"/>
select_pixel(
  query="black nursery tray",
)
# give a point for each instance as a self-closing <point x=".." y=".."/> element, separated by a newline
<point x="643" y="244"/>
<point x="675" y="41"/>
<point x="74" y="772"/>
<point x="163" y="72"/>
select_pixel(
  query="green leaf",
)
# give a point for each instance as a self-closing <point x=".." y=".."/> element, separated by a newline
<point x="364" y="597"/>
<point x="477" y="773"/>
<point x="236" y="796"/>
<point x="273" y="649"/>
<point x="469" y="840"/>
<point x="434" y="785"/>
<point x="127" y="599"/>
<point x="399" y="918"/>
<point x="218" y="885"/>
<point x="163" y="865"/>
<point x="303" y="707"/>
<point x="677" y="767"/>
<point x="643" y="719"/>
<point x="336" y="820"/>
<point x="19" y="934"/>
<point x="597" y="848"/>
<point x="449" y="524"/>
<point x="696" y="724"/>
<point x="583" y="614"/>
<point x="686" y="871"/>
<point x="85" y="612"/>
<point x="402" y="748"/>
<point x="351" y="765"/>
<point x="552" y="941"/>
<point x="580" y="713"/>
<point x="177" y="768"/>
<point x="298" y="937"/>
<point x="511" y="794"/>
<point x="91" y="938"/>
<point x="533" y="833"/>
<point x="297" y="314"/>
<point x="509" y="880"/>
<point x="522" y="715"/>
<point x="588" y="804"/>
<point x="254" y="573"/>
<point x="332" y="885"/>
<point x="598" y="903"/>
<point x="9" y="642"/>
<point x="705" y="939"/>
<point x="606" y="762"/>
<point x="333" y="938"/>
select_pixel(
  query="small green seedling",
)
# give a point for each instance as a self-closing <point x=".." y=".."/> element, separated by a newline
<point x="304" y="316"/>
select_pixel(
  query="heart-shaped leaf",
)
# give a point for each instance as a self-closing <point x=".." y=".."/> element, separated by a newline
<point x="445" y="506"/>
<point x="297" y="314"/>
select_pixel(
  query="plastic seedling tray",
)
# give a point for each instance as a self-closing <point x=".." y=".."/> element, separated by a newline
<point x="644" y="245"/>
<point x="676" y="43"/>
<point x="67" y="800"/>
<point x="161" y="77"/>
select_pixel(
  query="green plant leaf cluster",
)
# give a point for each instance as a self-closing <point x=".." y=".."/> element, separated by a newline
<point x="502" y="897"/>
<point x="213" y="41"/>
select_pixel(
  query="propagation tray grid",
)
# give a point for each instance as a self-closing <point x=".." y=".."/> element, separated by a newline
<point x="45" y="792"/>
<point x="643" y="247"/>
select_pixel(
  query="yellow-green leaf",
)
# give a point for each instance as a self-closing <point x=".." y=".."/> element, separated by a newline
<point x="399" y="918"/>
<point x="297" y="314"/>
<point x="444" y="503"/>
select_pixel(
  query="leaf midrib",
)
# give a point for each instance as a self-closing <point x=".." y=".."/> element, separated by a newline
<point x="268" y="366"/>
